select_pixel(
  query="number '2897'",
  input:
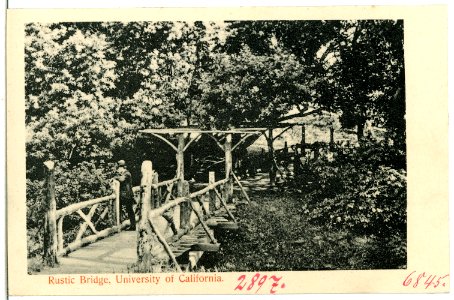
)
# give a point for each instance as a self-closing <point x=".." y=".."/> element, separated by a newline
<point x="258" y="281"/>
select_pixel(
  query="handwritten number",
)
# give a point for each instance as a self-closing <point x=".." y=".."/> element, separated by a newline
<point x="423" y="274"/>
<point x="239" y="286"/>
<point x="261" y="282"/>
<point x="253" y="280"/>
<point x="407" y="280"/>
<point x="275" y="283"/>
<point x="430" y="280"/>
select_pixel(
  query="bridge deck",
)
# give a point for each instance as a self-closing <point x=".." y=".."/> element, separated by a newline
<point x="110" y="255"/>
<point x="115" y="253"/>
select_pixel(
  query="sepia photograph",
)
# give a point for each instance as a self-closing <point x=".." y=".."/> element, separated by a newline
<point x="215" y="146"/>
<point x="223" y="151"/>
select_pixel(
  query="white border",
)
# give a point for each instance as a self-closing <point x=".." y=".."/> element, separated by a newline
<point x="207" y="3"/>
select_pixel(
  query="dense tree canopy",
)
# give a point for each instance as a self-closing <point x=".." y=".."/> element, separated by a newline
<point x="91" y="86"/>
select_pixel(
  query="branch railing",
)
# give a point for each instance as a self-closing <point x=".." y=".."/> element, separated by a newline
<point x="201" y="205"/>
<point x="154" y="200"/>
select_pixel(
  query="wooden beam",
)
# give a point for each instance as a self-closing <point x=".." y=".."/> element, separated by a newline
<point x="84" y="226"/>
<point x="202" y="222"/>
<point x="165" y="140"/>
<point x="87" y="220"/>
<point x="166" y="246"/>
<point x="225" y="205"/>
<point x="272" y="170"/>
<point x="191" y="141"/>
<point x="76" y="206"/>
<point x="179" y="200"/>
<point x="103" y="215"/>
<point x="300" y="115"/>
<point x="196" y="130"/>
<point x="241" y="188"/>
<point x="248" y="135"/>
<point x="217" y="142"/>
<point x="289" y="126"/>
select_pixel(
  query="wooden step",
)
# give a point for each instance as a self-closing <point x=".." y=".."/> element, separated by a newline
<point x="228" y="226"/>
<point x="206" y="247"/>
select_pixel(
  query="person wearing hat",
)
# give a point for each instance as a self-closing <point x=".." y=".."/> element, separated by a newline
<point x="126" y="193"/>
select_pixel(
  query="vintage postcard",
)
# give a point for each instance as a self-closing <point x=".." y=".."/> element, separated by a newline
<point x="227" y="151"/>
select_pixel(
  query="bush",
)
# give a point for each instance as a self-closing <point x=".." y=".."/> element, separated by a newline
<point x="361" y="200"/>
<point x="363" y="192"/>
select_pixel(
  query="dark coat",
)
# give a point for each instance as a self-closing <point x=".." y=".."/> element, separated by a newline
<point x="125" y="179"/>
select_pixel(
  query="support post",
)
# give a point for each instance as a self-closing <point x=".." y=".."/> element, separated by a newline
<point x="331" y="136"/>
<point x="211" y="180"/>
<point x="182" y="185"/>
<point x="116" y="209"/>
<point x="147" y="251"/>
<point x="303" y="140"/>
<point x="50" y="222"/>
<point x="228" y="192"/>
<point x="271" y="166"/>
<point x="185" y="207"/>
<point x="155" y="201"/>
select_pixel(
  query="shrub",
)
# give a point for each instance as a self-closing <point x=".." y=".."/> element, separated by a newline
<point x="358" y="191"/>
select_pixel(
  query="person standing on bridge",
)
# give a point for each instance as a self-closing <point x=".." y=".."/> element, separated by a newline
<point x="126" y="193"/>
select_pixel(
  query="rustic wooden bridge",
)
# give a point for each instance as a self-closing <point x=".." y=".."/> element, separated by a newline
<point x="176" y="221"/>
<point x="175" y="225"/>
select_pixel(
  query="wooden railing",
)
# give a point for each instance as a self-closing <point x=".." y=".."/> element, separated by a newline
<point x="155" y="202"/>
<point x="200" y="205"/>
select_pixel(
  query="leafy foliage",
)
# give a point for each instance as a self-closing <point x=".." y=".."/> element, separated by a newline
<point x="358" y="191"/>
<point x="364" y="75"/>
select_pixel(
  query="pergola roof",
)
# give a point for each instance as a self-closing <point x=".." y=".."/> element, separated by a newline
<point x="196" y="130"/>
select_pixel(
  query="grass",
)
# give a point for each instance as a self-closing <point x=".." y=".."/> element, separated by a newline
<point x="274" y="236"/>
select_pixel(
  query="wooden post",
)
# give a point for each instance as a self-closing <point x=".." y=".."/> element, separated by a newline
<point x="185" y="207"/>
<point x="50" y="222"/>
<point x="331" y="137"/>
<point x="182" y="185"/>
<point x="116" y="208"/>
<point x="303" y="140"/>
<point x="271" y="166"/>
<point x="155" y="201"/>
<point x="228" y="168"/>
<point x="211" y="180"/>
<point x="60" y="234"/>
<point x="145" y="235"/>
<point x="180" y="163"/>
<point x="262" y="160"/>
